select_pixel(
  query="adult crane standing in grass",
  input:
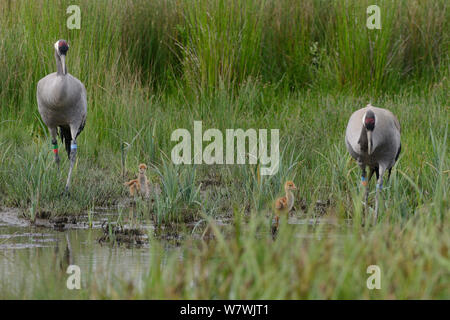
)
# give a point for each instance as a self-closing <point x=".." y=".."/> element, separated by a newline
<point x="373" y="139"/>
<point x="62" y="104"/>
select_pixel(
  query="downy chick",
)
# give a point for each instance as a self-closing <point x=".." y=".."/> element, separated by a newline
<point x="141" y="184"/>
<point x="283" y="205"/>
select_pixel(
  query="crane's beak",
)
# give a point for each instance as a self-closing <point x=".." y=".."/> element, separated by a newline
<point x="63" y="63"/>
<point x="369" y="142"/>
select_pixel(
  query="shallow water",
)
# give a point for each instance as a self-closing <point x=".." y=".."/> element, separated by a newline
<point x="25" y="248"/>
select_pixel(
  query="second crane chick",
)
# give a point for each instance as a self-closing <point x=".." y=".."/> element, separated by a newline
<point x="283" y="205"/>
<point x="141" y="184"/>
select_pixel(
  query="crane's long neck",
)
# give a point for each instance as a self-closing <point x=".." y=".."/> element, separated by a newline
<point x="61" y="64"/>
<point x="363" y="141"/>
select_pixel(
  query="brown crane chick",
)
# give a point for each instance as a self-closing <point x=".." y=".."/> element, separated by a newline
<point x="141" y="184"/>
<point x="283" y="205"/>
<point x="133" y="186"/>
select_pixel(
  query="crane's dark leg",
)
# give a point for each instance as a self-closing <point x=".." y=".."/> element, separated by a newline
<point x="364" y="181"/>
<point x="54" y="133"/>
<point x="381" y="170"/>
<point x="371" y="171"/>
<point x="73" y="156"/>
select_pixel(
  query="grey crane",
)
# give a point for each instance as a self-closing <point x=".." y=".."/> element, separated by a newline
<point x="373" y="139"/>
<point x="62" y="104"/>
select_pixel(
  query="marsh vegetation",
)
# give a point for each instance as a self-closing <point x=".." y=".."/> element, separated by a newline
<point x="151" y="67"/>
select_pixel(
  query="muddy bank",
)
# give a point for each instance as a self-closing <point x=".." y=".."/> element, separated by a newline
<point x="12" y="217"/>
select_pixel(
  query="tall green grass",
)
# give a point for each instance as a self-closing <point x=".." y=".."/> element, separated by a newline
<point x="312" y="150"/>
<point x="212" y="43"/>
<point x="151" y="67"/>
<point x="217" y="61"/>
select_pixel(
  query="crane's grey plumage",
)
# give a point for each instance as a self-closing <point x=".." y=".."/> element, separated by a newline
<point x="62" y="104"/>
<point x="373" y="139"/>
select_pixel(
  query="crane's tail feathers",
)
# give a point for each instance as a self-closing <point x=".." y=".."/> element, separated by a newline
<point x="398" y="152"/>
<point x="81" y="126"/>
<point x="66" y="137"/>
